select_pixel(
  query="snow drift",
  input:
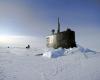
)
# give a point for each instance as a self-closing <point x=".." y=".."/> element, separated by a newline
<point x="54" y="53"/>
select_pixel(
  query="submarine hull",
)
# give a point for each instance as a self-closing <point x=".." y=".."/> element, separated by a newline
<point x="65" y="39"/>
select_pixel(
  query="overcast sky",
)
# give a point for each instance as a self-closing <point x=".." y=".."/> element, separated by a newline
<point x="38" y="17"/>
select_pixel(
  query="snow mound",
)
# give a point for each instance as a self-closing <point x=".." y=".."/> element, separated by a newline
<point x="54" y="53"/>
<point x="85" y="50"/>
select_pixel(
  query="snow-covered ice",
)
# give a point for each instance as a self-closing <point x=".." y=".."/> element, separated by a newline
<point x="54" y="53"/>
<point x="78" y="63"/>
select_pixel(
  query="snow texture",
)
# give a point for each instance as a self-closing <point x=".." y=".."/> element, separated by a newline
<point x="19" y="63"/>
<point x="54" y="53"/>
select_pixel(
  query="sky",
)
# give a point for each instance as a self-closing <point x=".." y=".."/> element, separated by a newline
<point x="37" y="17"/>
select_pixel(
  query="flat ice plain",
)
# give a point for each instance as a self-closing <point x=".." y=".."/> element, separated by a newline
<point x="19" y="63"/>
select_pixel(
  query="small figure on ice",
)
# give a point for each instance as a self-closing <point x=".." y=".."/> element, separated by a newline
<point x="28" y="46"/>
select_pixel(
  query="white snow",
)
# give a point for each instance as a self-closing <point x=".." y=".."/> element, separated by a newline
<point x="54" y="53"/>
<point x="18" y="63"/>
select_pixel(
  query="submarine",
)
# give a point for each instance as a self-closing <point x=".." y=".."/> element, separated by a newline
<point x="64" y="39"/>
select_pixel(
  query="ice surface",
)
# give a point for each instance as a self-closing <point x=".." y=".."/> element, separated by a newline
<point x="78" y="63"/>
<point x="54" y="53"/>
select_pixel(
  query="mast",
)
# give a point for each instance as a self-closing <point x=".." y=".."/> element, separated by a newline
<point x="58" y="26"/>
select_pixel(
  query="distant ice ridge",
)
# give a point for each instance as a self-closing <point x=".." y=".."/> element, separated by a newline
<point x="54" y="53"/>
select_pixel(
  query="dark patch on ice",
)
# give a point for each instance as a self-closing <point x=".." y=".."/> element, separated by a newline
<point x="39" y="54"/>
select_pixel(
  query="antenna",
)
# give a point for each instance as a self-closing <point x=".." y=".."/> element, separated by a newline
<point x="58" y="26"/>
